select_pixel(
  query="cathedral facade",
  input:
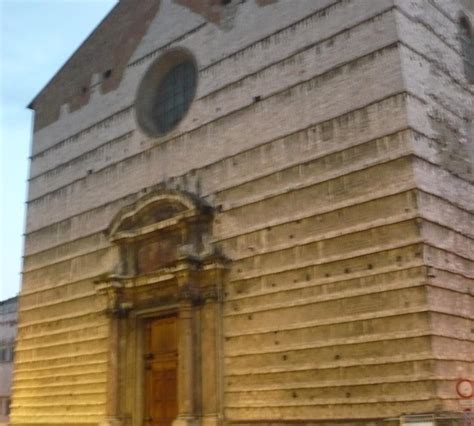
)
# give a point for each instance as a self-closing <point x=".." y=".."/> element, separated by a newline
<point x="253" y="212"/>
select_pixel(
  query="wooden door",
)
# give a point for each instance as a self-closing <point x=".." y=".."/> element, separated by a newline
<point x="161" y="359"/>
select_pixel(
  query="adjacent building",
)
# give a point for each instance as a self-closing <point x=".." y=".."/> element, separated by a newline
<point x="8" y="324"/>
<point x="253" y="212"/>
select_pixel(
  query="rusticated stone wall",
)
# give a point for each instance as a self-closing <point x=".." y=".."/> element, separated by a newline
<point x="441" y="114"/>
<point x="334" y="139"/>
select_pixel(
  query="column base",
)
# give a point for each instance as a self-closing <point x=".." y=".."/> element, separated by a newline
<point x="211" y="420"/>
<point x="186" y="421"/>
<point x="110" y="421"/>
<point x="436" y="419"/>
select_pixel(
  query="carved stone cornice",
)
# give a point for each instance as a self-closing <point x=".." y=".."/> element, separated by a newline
<point x="167" y="252"/>
<point x="189" y="293"/>
<point x="108" y="282"/>
<point x="112" y="286"/>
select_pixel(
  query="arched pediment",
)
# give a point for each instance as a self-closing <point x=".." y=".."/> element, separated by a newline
<point x="158" y="210"/>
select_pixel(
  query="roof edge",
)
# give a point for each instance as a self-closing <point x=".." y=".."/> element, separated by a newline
<point x="31" y="104"/>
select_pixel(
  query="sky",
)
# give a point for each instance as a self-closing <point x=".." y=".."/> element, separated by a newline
<point x="36" y="38"/>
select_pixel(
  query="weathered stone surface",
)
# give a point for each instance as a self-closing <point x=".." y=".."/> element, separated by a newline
<point x="333" y="141"/>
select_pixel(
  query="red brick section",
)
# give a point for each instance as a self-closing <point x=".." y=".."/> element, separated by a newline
<point x="211" y="9"/>
<point x="109" y="47"/>
<point x="265" y="2"/>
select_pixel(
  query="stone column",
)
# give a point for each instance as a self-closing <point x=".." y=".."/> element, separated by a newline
<point x="112" y="293"/>
<point x="186" y="360"/>
<point x="213" y="276"/>
<point x="209" y="359"/>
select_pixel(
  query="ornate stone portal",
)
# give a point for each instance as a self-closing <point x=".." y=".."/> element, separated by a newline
<point x="166" y="288"/>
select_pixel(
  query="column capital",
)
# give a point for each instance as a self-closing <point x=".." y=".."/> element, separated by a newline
<point x="210" y="294"/>
<point x="186" y="421"/>
<point x="188" y="293"/>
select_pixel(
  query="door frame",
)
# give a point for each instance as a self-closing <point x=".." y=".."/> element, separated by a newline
<point x="188" y="285"/>
<point x="138" y="335"/>
<point x="148" y="324"/>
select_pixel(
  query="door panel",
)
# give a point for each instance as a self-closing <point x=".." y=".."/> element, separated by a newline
<point x="161" y="405"/>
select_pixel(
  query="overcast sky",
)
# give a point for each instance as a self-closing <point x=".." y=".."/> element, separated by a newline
<point x="36" y="38"/>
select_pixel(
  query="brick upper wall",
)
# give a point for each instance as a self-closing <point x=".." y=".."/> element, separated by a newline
<point x="109" y="47"/>
<point x="108" y="50"/>
<point x="211" y="10"/>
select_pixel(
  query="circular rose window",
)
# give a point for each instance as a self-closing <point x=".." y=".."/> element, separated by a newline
<point x="166" y="92"/>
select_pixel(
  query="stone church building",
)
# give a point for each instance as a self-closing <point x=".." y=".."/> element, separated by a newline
<point x="253" y="212"/>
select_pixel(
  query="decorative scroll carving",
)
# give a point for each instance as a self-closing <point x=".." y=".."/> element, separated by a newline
<point x="165" y="245"/>
<point x="161" y="229"/>
<point x="112" y="286"/>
